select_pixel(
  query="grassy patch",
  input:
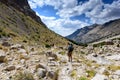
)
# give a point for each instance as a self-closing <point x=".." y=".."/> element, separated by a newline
<point x="82" y="52"/>
<point x="83" y="78"/>
<point x="47" y="46"/>
<point x="73" y="73"/>
<point x="106" y="73"/>
<point x="62" y="52"/>
<point x="23" y="76"/>
<point x="91" y="73"/>
<point x="102" y="44"/>
<point x="113" y="67"/>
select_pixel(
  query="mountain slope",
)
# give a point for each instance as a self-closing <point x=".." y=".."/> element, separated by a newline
<point x="96" y="32"/>
<point x="19" y="24"/>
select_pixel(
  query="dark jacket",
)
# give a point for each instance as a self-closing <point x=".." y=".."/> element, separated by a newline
<point x="70" y="48"/>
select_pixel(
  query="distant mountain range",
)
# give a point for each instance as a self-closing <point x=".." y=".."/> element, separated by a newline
<point x="21" y="24"/>
<point x="96" y="32"/>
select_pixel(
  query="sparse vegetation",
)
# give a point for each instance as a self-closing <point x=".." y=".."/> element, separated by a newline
<point x="82" y="52"/>
<point x="102" y="44"/>
<point x="73" y="73"/>
<point x="80" y="44"/>
<point x="106" y="73"/>
<point x="23" y="26"/>
<point x="83" y="78"/>
<point x="91" y="73"/>
<point x="113" y="67"/>
<point x="118" y="45"/>
<point x="47" y="46"/>
<point x="62" y="53"/>
<point x="3" y="33"/>
<point x="23" y="76"/>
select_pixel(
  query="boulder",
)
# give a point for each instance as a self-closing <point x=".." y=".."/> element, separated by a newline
<point x="2" y="56"/>
<point x="52" y="75"/>
<point x="24" y="56"/>
<point x="95" y="55"/>
<point x="21" y="51"/>
<point x="22" y="61"/>
<point x="16" y="46"/>
<point x="117" y="72"/>
<point x="7" y="44"/>
<point x="53" y="63"/>
<point x="50" y="54"/>
<point x="10" y="68"/>
<point x="99" y="77"/>
<point x="41" y="66"/>
<point x="41" y="73"/>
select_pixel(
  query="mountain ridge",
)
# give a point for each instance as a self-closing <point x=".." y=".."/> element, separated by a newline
<point x="97" y="32"/>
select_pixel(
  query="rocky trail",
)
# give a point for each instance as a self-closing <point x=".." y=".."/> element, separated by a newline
<point x="25" y="62"/>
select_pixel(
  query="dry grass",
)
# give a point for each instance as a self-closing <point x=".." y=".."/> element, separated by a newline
<point x="91" y="73"/>
<point x="82" y="78"/>
<point x="23" y="76"/>
<point x="24" y="28"/>
<point x="73" y="73"/>
<point x="113" y="67"/>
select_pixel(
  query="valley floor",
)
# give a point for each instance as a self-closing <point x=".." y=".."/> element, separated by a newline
<point x="35" y="62"/>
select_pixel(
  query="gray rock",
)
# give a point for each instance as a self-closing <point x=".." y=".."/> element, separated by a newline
<point x="117" y="72"/>
<point x="21" y="51"/>
<point x="50" y="54"/>
<point x="16" y="46"/>
<point x="41" y="73"/>
<point x="2" y="56"/>
<point x="41" y="66"/>
<point x="52" y="75"/>
<point x="99" y="77"/>
<point x="114" y="57"/>
<point x="7" y="44"/>
<point x="10" y="68"/>
<point x="53" y="63"/>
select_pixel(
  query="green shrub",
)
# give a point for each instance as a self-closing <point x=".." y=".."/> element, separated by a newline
<point x="82" y="52"/>
<point x="102" y="44"/>
<point x="25" y="41"/>
<point x="91" y="73"/>
<point x="80" y="44"/>
<point x="82" y="78"/>
<point x="47" y="46"/>
<point x="99" y="44"/>
<point x="62" y="53"/>
<point x="23" y="76"/>
<point x="73" y="73"/>
<point x="106" y="73"/>
<point x="118" y="45"/>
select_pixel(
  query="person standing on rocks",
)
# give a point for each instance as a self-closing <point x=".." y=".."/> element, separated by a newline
<point x="70" y="50"/>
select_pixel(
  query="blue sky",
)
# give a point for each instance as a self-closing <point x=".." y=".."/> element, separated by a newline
<point x="66" y="16"/>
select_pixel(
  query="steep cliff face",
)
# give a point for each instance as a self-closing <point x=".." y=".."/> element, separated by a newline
<point x="20" y="23"/>
<point x="96" y="32"/>
<point x="23" y="6"/>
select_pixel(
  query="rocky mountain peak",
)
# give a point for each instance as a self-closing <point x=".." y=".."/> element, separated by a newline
<point x="96" y="32"/>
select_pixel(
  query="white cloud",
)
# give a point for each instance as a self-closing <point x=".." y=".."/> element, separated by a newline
<point x="36" y="3"/>
<point x="62" y="26"/>
<point x="95" y="10"/>
<point x="105" y="12"/>
<point x="82" y="8"/>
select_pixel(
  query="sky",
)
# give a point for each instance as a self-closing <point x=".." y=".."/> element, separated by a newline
<point x="66" y="16"/>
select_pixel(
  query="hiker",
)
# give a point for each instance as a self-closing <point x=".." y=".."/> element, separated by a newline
<point x="70" y="50"/>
